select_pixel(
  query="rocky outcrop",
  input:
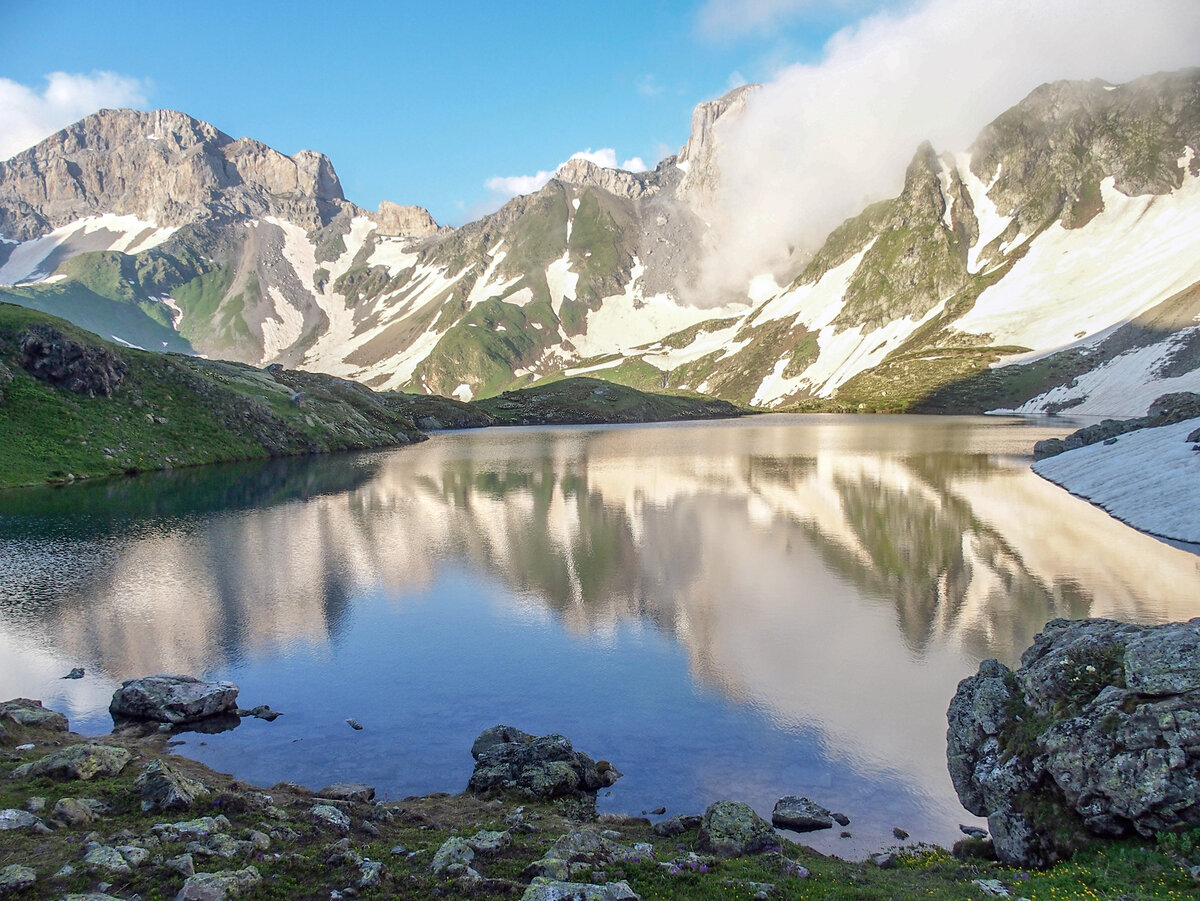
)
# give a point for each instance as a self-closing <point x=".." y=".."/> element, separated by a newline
<point x="49" y="355"/>
<point x="404" y="221"/>
<point x="1096" y="733"/>
<point x="162" y="788"/>
<point x="165" y="168"/>
<point x="172" y="699"/>
<point x="25" y="712"/>
<point x="544" y="767"/>
<point x="618" y="182"/>
<point x="78" y="762"/>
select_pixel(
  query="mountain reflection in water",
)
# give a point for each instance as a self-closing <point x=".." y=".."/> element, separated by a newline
<point x="830" y="579"/>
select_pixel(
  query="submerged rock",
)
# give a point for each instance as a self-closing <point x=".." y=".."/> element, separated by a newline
<point x="172" y="699"/>
<point x="733" y="829"/>
<point x="1097" y="733"/>
<point x="508" y="759"/>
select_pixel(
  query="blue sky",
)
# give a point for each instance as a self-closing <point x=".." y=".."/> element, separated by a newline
<point x="431" y="103"/>
<point x="416" y="103"/>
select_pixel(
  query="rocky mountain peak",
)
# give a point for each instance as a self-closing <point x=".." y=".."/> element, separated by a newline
<point x="584" y="173"/>
<point x="164" y="167"/>
<point x="699" y="155"/>
<point x="405" y="221"/>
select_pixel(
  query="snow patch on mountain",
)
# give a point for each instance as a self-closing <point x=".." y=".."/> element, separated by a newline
<point x="816" y="304"/>
<point x="991" y="223"/>
<point x="33" y="261"/>
<point x="393" y="254"/>
<point x="1073" y="283"/>
<point x="1122" y="388"/>
<point x="282" y="330"/>
<point x="561" y="281"/>
<point x="1149" y="478"/>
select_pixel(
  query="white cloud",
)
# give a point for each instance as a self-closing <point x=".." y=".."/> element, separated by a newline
<point x="506" y="187"/>
<point x="822" y="139"/>
<point x="648" y="86"/>
<point x="722" y="19"/>
<point x="27" y="116"/>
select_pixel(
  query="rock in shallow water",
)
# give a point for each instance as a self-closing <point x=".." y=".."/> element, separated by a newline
<point x="508" y="759"/>
<point x="800" y="815"/>
<point x="172" y="699"/>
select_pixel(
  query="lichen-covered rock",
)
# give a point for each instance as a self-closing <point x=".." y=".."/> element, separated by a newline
<point x="578" y="853"/>
<point x="498" y="735"/>
<point x="1097" y="733"/>
<point x="26" y="712"/>
<point x="107" y="860"/>
<point x="172" y="699"/>
<point x="16" y="878"/>
<point x="800" y="815"/>
<point x="544" y="767"/>
<point x="49" y="355"/>
<point x="11" y="819"/>
<point x="543" y="889"/>
<point x="84" y="762"/>
<point x="453" y="857"/>
<point x="733" y="829"/>
<point x="164" y="789"/>
<point x="186" y="829"/>
<point x="329" y="817"/>
<point x="219" y="886"/>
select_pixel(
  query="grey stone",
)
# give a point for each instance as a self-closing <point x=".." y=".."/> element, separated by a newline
<point x="543" y="889"/>
<point x="16" y="878"/>
<point x="800" y="815"/>
<point x="677" y="825"/>
<point x="498" y="735"/>
<point x="1097" y="733"/>
<point x="11" y="818"/>
<point x="184" y="864"/>
<point x="83" y="762"/>
<point x="76" y="811"/>
<point x="348" y="791"/>
<point x="453" y="856"/>
<point x="35" y="804"/>
<point x="733" y="829"/>
<point x="579" y="852"/>
<point x="544" y="767"/>
<point x="370" y="873"/>
<point x="201" y="828"/>
<point x="108" y="860"/>
<point x="219" y="886"/>
<point x="32" y="714"/>
<point x="172" y="699"/>
<point x="329" y="817"/>
<point x="489" y="842"/>
<point x="163" y="789"/>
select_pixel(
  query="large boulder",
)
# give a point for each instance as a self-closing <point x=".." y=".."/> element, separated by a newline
<point x="162" y="788"/>
<point x="733" y="829"/>
<point x="1096" y="733"/>
<point x="508" y="759"/>
<point x="172" y="699"/>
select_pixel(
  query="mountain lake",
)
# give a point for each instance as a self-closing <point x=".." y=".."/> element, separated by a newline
<point x="778" y="605"/>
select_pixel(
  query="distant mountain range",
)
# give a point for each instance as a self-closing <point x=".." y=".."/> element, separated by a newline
<point x="1053" y="265"/>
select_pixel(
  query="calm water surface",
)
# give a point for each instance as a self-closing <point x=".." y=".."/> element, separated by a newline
<point x="780" y="605"/>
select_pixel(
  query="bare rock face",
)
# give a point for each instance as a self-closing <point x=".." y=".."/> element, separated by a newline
<point x="1097" y="733"/>
<point x="618" y="182"/>
<point x="404" y="221"/>
<point x="700" y="154"/>
<point x="163" y="167"/>
<point x="172" y="699"/>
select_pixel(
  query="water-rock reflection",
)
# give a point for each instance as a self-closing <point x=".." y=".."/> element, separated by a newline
<point x="837" y="575"/>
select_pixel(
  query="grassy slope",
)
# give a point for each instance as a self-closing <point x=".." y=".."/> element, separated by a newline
<point x="174" y="411"/>
<point x="300" y="864"/>
<point x="583" y="400"/>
